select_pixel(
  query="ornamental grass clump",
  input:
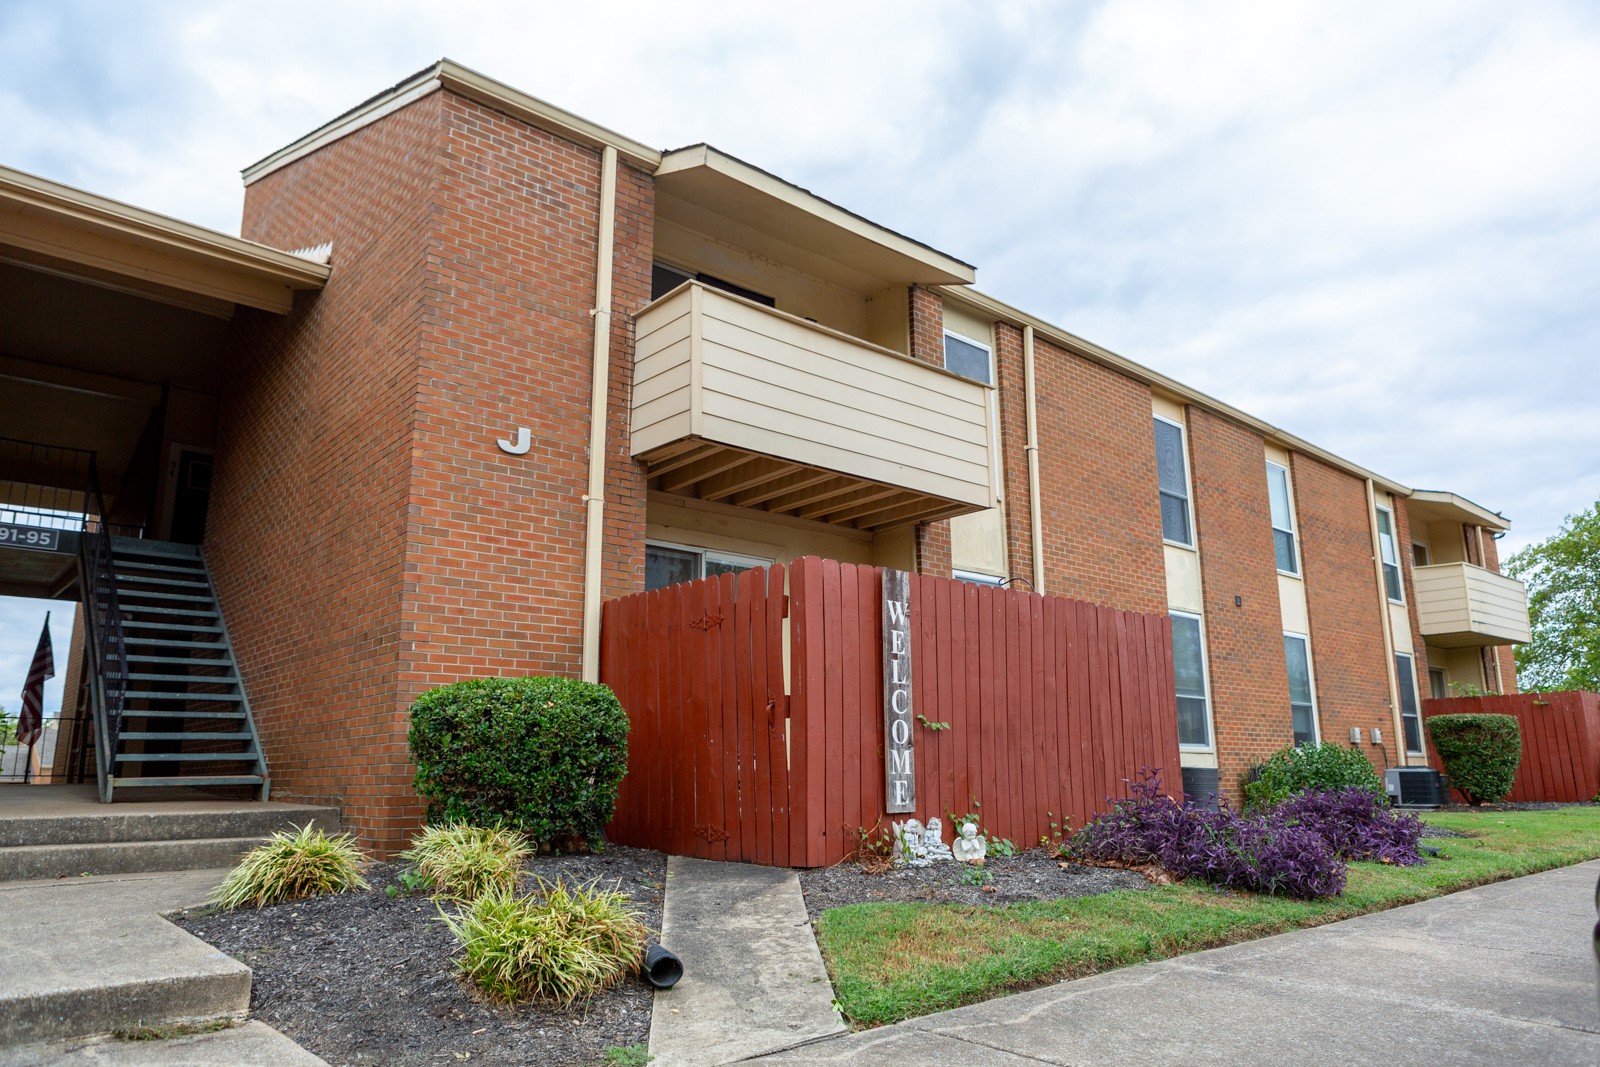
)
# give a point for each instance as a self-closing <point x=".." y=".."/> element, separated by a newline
<point x="1480" y="753"/>
<point x="463" y="862"/>
<point x="293" y="866"/>
<point x="1264" y="853"/>
<point x="568" y="943"/>
<point x="1357" y="825"/>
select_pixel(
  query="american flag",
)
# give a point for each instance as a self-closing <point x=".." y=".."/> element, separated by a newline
<point x="30" y="724"/>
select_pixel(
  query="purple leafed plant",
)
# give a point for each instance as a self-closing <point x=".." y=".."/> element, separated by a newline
<point x="1265" y="853"/>
<point x="1357" y="825"/>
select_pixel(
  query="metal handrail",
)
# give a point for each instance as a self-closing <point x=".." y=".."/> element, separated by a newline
<point x="108" y="643"/>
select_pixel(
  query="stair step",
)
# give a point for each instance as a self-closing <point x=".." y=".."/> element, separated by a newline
<point x="160" y="643"/>
<point x="94" y="823"/>
<point x="197" y="613"/>
<point x="193" y="661"/>
<point x="157" y="735"/>
<point x="222" y="779"/>
<point x="151" y="594"/>
<point x="145" y="624"/>
<point x="197" y="582"/>
<point x="138" y="546"/>
<point x="186" y="757"/>
<point x="206" y="679"/>
<point x="177" y="567"/>
<point x="122" y="857"/>
<point x="151" y="694"/>
<point x="189" y="713"/>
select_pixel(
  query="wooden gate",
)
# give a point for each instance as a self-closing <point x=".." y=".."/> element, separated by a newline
<point x="1050" y="704"/>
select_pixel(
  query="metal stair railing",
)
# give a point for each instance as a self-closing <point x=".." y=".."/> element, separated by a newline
<point x="107" y="645"/>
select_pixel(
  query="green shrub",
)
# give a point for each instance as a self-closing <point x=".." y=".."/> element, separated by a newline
<point x="572" y="943"/>
<point x="1480" y="753"/>
<point x="1298" y="768"/>
<point x="292" y="866"/>
<point x="541" y="755"/>
<point x="463" y="862"/>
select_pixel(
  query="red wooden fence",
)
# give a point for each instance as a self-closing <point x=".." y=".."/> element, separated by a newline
<point x="1560" y="740"/>
<point x="1050" y="702"/>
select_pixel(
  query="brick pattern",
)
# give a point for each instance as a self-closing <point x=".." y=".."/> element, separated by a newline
<point x="1345" y="604"/>
<point x="1098" y="497"/>
<point x="1012" y="383"/>
<point x="1239" y="574"/>
<point x="309" y="515"/>
<point x="927" y="346"/>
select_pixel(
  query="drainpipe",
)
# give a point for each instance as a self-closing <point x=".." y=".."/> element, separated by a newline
<point x="599" y="400"/>
<point x="1388" y="626"/>
<point x="1032" y="449"/>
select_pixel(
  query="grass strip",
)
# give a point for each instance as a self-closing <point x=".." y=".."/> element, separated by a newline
<point x="896" y="961"/>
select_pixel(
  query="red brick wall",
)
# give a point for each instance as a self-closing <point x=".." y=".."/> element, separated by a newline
<point x="1098" y="497"/>
<point x="927" y="346"/>
<point x="307" y="526"/>
<point x="1344" y="604"/>
<point x="1244" y="640"/>
<point x="371" y="540"/>
<point x="1013" y="388"/>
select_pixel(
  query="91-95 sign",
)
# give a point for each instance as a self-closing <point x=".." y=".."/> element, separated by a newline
<point x="29" y="537"/>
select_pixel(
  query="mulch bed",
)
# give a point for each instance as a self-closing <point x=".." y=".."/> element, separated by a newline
<point x="1519" y="805"/>
<point x="1031" y="875"/>
<point x="368" y="978"/>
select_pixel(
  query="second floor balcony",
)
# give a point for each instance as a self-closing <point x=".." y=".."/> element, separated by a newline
<point x="1460" y="605"/>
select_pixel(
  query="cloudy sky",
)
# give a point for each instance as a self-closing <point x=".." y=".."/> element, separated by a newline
<point x="1376" y="225"/>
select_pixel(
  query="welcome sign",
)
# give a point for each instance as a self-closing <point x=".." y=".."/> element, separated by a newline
<point x="900" y="779"/>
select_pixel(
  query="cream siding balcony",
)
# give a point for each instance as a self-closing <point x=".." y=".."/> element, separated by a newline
<point x="1460" y="606"/>
<point x="738" y="403"/>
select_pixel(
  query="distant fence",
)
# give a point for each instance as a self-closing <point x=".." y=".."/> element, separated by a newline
<point x="1560" y="740"/>
<point x="753" y="747"/>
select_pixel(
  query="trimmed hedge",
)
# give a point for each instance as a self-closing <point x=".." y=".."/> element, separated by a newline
<point x="1298" y="768"/>
<point x="1480" y="753"/>
<point x="539" y="755"/>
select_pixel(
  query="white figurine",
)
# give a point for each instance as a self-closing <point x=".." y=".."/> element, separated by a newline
<point x="969" y="847"/>
<point x="933" y="838"/>
<point x="910" y="845"/>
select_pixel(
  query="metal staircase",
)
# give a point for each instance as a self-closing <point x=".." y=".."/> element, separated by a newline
<point x="169" y="706"/>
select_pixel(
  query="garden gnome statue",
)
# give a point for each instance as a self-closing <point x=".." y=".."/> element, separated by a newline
<point x="969" y="847"/>
<point x="933" y="838"/>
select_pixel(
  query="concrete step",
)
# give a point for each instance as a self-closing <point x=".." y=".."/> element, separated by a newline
<point x="91" y="956"/>
<point x="53" y="815"/>
<point x="21" y="863"/>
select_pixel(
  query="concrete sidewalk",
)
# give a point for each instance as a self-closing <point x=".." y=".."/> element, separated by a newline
<point x="1500" y="974"/>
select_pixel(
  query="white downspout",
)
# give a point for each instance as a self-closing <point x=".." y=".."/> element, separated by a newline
<point x="1032" y="449"/>
<point x="1401" y="759"/>
<point x="599" y="404"/>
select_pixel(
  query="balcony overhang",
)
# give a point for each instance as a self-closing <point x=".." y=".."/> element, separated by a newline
<point x="739" y="404"/>
<point x="1433" y="505"/>
<point x="724" y="198"/>
<point x="1460" y="605"/>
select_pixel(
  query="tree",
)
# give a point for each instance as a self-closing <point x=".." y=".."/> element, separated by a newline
<point x="1563" y="576"/>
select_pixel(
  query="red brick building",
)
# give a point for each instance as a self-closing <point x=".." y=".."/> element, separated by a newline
<point x="522" y="363"/>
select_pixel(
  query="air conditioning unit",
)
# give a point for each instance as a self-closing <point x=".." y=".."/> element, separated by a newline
<point x="1416" y="787"/>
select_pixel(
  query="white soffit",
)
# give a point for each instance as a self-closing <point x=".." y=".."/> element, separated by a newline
<point x="1457" y="508"/>
<point x="758" y="204"/>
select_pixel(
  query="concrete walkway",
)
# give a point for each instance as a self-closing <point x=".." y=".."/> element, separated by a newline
<point x="753" y="980"/>
<point x="1490" y="976"/>
<point x="93" y="955"/>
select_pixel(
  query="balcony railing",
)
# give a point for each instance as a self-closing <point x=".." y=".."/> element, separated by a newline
<point x="1460" y="605"/>
<point x="738" y="403"/>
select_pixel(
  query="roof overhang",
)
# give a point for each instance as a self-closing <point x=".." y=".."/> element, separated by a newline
<point x="1437" y="505"/>
<point x="59" y="229"/>
<point x="728" y="199"/>
<point x="447" y="74"/>
<point x="990" y="307"/>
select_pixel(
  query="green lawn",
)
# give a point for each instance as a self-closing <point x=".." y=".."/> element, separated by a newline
<point x="895" y="961"/>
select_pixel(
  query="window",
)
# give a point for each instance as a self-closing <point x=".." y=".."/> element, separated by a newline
<point x="1173" y="474"/>
<point x="664" y="279"/>
<point x="1302" y="708"/>
<point x="1391" y="556"/>
<point x="1282" y="518"/>
<point x="1410" y="714"/>
<point x="977" y="579"/>
<point x="666" y="564"/>
<point x="1189" y="672"/>
<point x="968" y="358"/>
